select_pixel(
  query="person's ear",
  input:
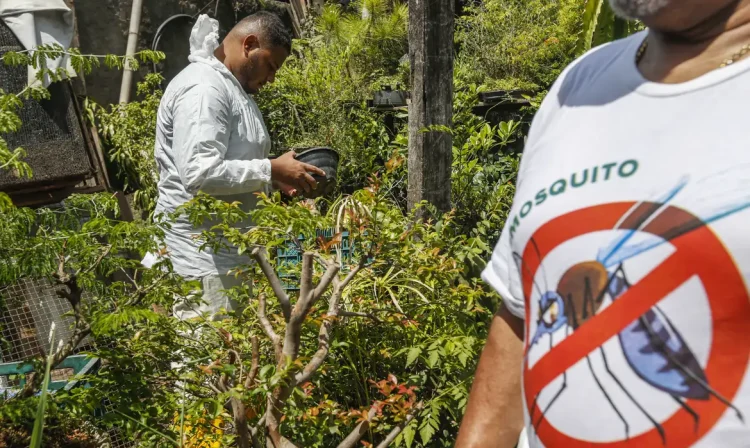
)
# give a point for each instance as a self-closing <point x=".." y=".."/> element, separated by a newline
<point x="250" y="43"/>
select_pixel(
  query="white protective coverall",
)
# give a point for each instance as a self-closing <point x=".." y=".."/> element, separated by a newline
<point x="41" y="22"/>
<point x="210" y="137"/>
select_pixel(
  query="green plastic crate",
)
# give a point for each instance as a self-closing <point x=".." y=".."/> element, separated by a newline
<point x="80" y="364"/>
<point x="289" y="257"/>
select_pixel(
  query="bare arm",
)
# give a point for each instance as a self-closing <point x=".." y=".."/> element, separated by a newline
<point x="494" y="416"/>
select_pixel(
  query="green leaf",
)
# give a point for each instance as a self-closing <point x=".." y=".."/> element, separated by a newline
<point x="36" y="435"/>
<point x="433" y="359"/>
<point x="426" y="432"/>
<point x="463" y="358"/>
<point x="265" y="370"/>
<point x="591" y="15"/>
<point x="412" y="356"/>
<point x="409" y="434"/>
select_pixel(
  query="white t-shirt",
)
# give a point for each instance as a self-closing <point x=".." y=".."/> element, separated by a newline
<point x="627" y="252"/>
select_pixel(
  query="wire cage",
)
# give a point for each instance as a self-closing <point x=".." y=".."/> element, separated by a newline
<point x="50" y="131"/>
<point x="31" y="307"/>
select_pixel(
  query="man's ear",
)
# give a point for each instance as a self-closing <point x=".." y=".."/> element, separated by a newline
<point x="250" y="43"/>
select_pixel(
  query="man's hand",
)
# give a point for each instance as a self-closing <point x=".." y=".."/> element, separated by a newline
<point x="286" y="170"/>
<point x="284" y="188"/>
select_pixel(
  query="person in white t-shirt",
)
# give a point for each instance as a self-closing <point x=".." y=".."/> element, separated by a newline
<point x="625" y="261"/>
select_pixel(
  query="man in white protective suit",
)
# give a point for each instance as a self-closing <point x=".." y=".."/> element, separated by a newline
<point x="210" y="137"/>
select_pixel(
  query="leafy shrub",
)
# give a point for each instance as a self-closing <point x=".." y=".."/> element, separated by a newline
<point x="398" y="342"/>
<point x="518" y="44"/>
<point x="319" y="96"/>
<point x="129" y="132"/>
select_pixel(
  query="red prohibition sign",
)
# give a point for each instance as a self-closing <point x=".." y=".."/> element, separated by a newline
<point x="697" y="253"/>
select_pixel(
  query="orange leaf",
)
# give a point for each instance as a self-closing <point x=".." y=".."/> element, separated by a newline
<point x="336" y="239"/>
<point x="158" y="309"/>
<point x="394" y="162"/>
<point x="250" y="413"/>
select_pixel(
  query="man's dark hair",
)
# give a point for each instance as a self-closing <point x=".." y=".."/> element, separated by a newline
<point x="269" y="28"/>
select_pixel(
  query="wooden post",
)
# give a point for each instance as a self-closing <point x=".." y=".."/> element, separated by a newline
<point x="298" y="11"/>
<point x="317" y="5"/>
<point x="431" y="54"/>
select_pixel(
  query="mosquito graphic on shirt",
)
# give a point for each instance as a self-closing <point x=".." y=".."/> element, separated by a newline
<point x="653" y="347"/>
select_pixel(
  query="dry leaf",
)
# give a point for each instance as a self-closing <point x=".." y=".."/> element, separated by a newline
<point x="227" y="336"/>
<point x="336" y="239"/>
<point x="158" y="309"/>
<point x="250" y="413"/>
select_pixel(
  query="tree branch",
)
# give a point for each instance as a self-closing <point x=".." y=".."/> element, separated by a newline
<point x="140" y="293"/>
<point x="354" y="272"/>
<point x="240" y="423"/>
<point x="331" y="272"/>
<point x="305" y="285"/>
<point x="290" y="349"/>
<point x="234" y="358"/>
<point x="99" y="259"/>
<point x="359" y="431"/>
<point x="307" y="299"/>
<point x="255" y="363"/>
<point x="268" y="328"/>
<point x="397" y="430"/>
<point x="325" y="328"/>
<point x="260" y="256"/>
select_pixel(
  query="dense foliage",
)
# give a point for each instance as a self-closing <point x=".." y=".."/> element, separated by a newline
<point x="518" y="44"/>
<point x="128" y="129"/>
<point x="377" y="334"/>
<point x="319" y="97"/>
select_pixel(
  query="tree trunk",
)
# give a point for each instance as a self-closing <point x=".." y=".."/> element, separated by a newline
<point x="431" y="54"/>
<point x="240" y="423"/>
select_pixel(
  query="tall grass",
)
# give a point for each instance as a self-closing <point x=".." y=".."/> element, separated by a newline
<point x="36" y="435"/>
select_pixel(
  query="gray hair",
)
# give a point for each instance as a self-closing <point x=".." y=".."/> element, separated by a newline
<point x="268" y="27"/>
<point x="637" y="9"/>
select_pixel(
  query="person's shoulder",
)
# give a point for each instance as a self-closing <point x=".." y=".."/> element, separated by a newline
<point x="595" y="79"/>
<point x="196" y="77"/>
<point x="597" y="68"/>
<point x="197" y="80"/>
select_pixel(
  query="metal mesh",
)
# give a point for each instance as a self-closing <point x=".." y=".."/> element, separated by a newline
<point x="31" y="306"/>
<point x="115" y="436"/>
<point x="50" y="133"/>
<point x="117" y="440"/>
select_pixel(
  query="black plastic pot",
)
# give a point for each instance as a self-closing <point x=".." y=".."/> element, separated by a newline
<point x="387" y="97"/>
<point x="327" y="160"/>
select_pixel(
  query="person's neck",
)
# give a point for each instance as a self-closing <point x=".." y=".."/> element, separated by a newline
<point x="220" y="54"/>
<point x="676" y="57"/>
